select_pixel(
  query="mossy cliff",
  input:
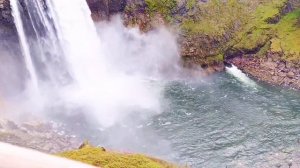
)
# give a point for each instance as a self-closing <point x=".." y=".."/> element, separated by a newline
<point x="255" y="35"/>
<point x="215" y="31"/>
<point x="107" y="159"/>
<point x="277" y="56"/>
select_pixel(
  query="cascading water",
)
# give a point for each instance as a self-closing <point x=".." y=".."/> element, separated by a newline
<point x="24" y="43"/>
<point x="38" y="37"/>
<point x="76" y="72"/>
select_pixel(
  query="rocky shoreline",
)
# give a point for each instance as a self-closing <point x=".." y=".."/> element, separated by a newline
<point x="41" y="136"/>
<point x="269" y="70"/>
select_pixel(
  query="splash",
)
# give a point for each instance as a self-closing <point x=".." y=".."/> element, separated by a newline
<point x="234" y="71"/>
<point x="106" y="72"/>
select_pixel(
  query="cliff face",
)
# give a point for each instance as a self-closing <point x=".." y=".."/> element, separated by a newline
<point x="261" y="37"/>
<point x="102" y="9"/>
<point x="278" y="61"/>
<point x="6" y="20"/>
<point x="5" y="12"/>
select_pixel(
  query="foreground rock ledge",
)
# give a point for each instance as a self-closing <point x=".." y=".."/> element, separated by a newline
<point x="101" y="157"/>
<point x="16" y="157"/>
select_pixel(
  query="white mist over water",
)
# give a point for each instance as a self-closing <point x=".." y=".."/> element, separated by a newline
<point x="114" y="72"/>
<point x="153" y="54"/>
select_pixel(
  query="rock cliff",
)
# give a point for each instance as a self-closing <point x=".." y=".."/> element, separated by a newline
<point x="6" y="20"/>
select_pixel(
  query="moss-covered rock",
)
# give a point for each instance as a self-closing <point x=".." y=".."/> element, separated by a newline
<point x="278" y="60"/>
<point x="258" y="30"/>
<point x="287" y="40"/>
<point x="164" y="7"/>
<point x="108" y="159"/>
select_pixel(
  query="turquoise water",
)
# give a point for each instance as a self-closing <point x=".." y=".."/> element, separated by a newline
<point x="222" y="122"/>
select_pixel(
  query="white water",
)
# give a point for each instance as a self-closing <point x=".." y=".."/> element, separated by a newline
<point x="104" y="91"/>
<point x="112" y="77"/>
<point x="45" y="48"/>
<point x="240" y="76"/>
<point x="25" y="47"/>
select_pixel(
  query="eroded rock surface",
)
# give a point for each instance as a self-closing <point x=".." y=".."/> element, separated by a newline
<point x="45" y="137"/>
<point x="270" y="70"/>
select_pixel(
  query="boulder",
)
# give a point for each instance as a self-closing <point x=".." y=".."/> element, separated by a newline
<point x="291" y="74"/>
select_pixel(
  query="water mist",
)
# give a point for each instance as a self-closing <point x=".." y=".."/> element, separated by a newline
<point x="104" y="76"/>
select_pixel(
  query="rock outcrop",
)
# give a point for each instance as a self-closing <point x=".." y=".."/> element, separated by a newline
<point x="5" y="13"/>
<point x="6" y="21"/>
<point x="274" y="57"/>
<point x="103" y="9"/>
<point x="44" y="137"/>
<point x="270" y="69"/>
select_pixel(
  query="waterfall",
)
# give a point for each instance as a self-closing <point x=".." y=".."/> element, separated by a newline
<point x="80" y="40"/>
<point x="24" y="43"/>
<point x="74" y="70"/>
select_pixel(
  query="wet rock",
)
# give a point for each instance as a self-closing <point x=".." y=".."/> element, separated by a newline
<point x="103" y="9"/>
<point x="282" y="74"/>
<point x="269" y="64"/>
<point x="12" y="125"/>
<point x="37" y="135"/>
<point x="291" y="74"/>
<point x="270" y="71"/>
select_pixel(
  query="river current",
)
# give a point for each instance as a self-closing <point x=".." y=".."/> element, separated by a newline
<point x="223" y="122"/>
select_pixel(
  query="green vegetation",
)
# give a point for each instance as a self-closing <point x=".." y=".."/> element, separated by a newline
<point x="215" y="18"/>
<point x="214" y="59"/>
<point x="163" y="7"/>
<point x="107" y="159"/>
<point x="282" y="37"/>
<point x="258" y="31"/>
<point x="288" y="36"/>
<point x="264" y="50"/>
<point x="191" y="4"/>
<point x="234" y="26"/>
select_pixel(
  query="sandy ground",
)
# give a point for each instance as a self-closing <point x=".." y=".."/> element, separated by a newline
<point x="17" y="157"/>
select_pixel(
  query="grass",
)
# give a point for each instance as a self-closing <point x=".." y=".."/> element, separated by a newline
<point x="107" y="159"/>
<point x="258" y="31"/>
<point x="190" y="4"/>
<point x="288" y="36"/>
<point x="163" y="7"/>
<point x="215" y="59"/>
<point x="215" y="18"/>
